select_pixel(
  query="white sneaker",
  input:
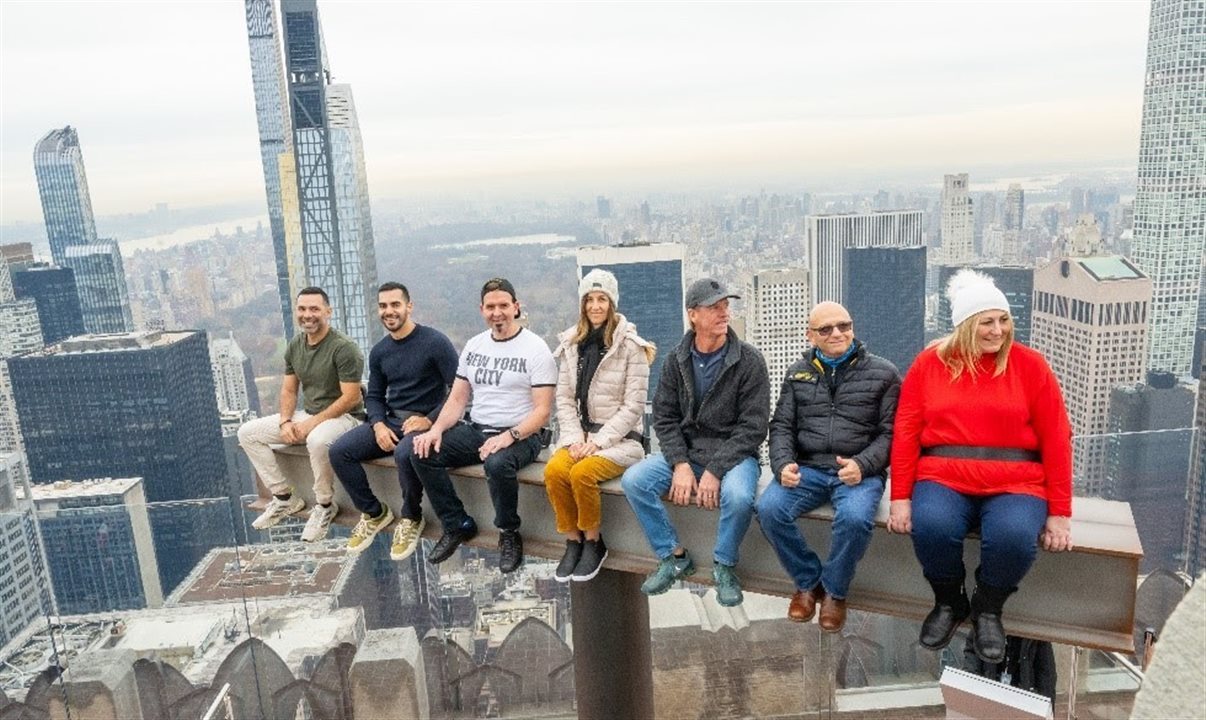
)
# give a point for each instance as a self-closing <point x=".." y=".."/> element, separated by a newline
<point x="278" y="510"/>
<point x="406" y="538"/>
<point x="319" y="523"/>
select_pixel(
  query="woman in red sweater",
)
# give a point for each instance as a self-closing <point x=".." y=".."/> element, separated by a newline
<point x="981" y="441"/>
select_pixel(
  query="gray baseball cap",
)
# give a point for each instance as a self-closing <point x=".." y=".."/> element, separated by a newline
<point x="706" y="292"/>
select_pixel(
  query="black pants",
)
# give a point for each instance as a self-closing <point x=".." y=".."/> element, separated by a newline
<point x="459" y="447"/>
<point x="360" y="444"/>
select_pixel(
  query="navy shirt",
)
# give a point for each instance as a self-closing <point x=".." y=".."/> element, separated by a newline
<point x="409" y="376"/>
<point x="705" y="367"/>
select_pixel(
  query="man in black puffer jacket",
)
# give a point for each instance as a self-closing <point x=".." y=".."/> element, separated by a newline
<point x="830" y="439"/>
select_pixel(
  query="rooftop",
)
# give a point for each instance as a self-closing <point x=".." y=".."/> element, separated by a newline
<point x="83" y="488"/>
<point x="1111" y="267"/>
<point x="111" y="342"/>
<point x="264" y="571"/>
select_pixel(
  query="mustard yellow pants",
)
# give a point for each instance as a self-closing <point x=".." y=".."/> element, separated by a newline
<point x="573" y="488"/>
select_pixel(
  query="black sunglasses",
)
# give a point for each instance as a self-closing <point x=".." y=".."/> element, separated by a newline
<point x="826" y="330"/>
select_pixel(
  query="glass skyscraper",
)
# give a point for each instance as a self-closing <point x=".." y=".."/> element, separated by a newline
<point x="1170" y="205"/>
<point x="268" y="84"/>
<point x="337" y="236"/>
<point x="54" y="291"/>
<point x="132" y="405"/>
<point x="63" y="187"/>
<point x="71" y="229"/>
<point x="884" y="291"/>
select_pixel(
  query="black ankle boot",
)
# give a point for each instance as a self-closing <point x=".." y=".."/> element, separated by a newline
<point x="988" y="635"/>
<point x="951" y="608"/>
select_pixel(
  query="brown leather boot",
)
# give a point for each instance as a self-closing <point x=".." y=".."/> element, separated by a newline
<point x="833" y="614"/>
<point x="804" y="604"/>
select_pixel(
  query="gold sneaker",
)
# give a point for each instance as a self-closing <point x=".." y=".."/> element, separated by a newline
<point x="367" y="529"/>
<point x="406" y="538"/>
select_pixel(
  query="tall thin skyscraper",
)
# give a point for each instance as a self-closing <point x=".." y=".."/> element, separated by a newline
<point x="268" y="84"/>
<point x="651" y="291"/>
<point x="20" y="332"/>
<point x="233" y="378"/>
<point x="1015" y="207"/>
<point x="827" y="236"/>
<point x="958" y="227"/>
<point x="71" y="229"/>
<point x="337" y="238"/>
<point x="1195" y="511"/>
<point x="63" y="187"/>
<point x="1090" y="321"/>
<point x="1170" y="204"/>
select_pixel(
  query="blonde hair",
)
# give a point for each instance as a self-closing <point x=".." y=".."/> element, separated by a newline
<point x="584" y="326"/>
<point x="960" y="351"/>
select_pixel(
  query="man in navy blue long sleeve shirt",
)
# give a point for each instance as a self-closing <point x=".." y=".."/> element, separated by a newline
<point x="410" y="371"/>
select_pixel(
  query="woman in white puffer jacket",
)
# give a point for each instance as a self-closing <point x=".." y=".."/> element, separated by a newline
<point x="601" y="389"/>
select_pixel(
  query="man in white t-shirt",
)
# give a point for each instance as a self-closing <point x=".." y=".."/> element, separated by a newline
<point x="510" y="375"/>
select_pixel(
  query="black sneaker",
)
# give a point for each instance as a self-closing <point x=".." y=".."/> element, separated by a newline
<point x="451" y="540"/>
<point x="565" y="568"/>
<point x="594" y="552"/>
<point x="510" y="550"/>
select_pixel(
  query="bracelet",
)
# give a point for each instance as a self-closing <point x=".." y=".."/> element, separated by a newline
<point x="285" y="422"/>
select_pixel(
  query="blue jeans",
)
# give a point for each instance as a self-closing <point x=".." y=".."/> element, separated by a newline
<point x="854" y="517"/>
<point x="360" y="444"/>
<point x="646" y="482"/>
<point x="1009" y="530"/>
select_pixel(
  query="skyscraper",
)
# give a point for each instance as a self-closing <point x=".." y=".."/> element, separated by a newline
<point x="957" y="226"/>
<point x="651" y="291"/>
<point x="54" y="292"/>
<point x="97" y="536"/>
<point x="268" y="84"/>
<point x="776" y="311"/>
<point x="26" y="590"/>
<point x="1015" y="281"/>
<point x="71" y="229"/>
<point x="20" y="332"/>
<point x="140" y="405"/>
<point x="1015" y="207"/>
<point x="101" y="280"/>
<point x="1170" y="205"/>
<point x="234" y="380"/>
<point x="885" y="295"/>
<point x="827" y="236"/>
<point x="63" y="187"/>
<point x="1090" y="321"/>
<point x="337" y="238"/>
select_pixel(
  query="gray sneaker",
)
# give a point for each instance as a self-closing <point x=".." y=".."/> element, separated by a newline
<point x="278" y="510"/>
<point x="319" y="523"/>
<point x="668" y="571"/>
<point x="728" y="588"/>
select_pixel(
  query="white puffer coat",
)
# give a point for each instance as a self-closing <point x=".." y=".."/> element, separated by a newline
<point x="616" y="397"/>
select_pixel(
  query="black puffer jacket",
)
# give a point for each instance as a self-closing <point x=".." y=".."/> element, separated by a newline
<point x="732" y="417"/>
<point x="815" y="421"/>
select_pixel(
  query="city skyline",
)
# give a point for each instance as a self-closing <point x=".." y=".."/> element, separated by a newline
<point x="768" y="91"/>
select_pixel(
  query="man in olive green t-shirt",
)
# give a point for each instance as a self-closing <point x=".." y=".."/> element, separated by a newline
<point x="327" y="366"/>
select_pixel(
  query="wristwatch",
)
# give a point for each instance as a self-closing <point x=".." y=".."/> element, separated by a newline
<point x="514" y="434"/>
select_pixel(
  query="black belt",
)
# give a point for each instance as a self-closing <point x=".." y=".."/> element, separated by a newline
<point x="488" y="429"/>
<point x="596" y="427"/>
<point x="977" y="452"/>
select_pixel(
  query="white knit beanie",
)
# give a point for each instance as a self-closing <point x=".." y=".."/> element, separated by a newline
<point x="971" y="292"/>
<point x="602" y="281"/>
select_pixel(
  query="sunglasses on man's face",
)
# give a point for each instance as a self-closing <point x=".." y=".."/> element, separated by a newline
<point x="826" y="330"/>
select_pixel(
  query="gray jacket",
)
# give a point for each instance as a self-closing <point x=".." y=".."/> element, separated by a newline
<point x="849" y="412"/>
<point x="733" y="415"/>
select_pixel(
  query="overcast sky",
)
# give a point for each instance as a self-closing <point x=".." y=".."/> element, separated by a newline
<point x="458" y="97"/>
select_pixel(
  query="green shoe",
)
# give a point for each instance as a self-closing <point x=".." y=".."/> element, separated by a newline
<point x="367" y="529"/>
<point x="667" y="573"/>
<point x="728" y="588"/>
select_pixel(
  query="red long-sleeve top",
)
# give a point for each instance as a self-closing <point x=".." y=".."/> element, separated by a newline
<point x="1021" y="408"/>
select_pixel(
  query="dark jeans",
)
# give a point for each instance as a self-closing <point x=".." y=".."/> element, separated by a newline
<point x="360" y="444"/>
<point x="1009" y="527"/>
<point x="458" y="448"/>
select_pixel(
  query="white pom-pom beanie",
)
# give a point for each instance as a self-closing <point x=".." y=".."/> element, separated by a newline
<point x="971" y="292"/>
<point x="601" y="280"/>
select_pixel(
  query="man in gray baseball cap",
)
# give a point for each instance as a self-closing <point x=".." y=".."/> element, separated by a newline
<point x="710" y="411"/>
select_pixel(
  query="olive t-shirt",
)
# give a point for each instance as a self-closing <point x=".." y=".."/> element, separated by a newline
<point x="321" y="368"/>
